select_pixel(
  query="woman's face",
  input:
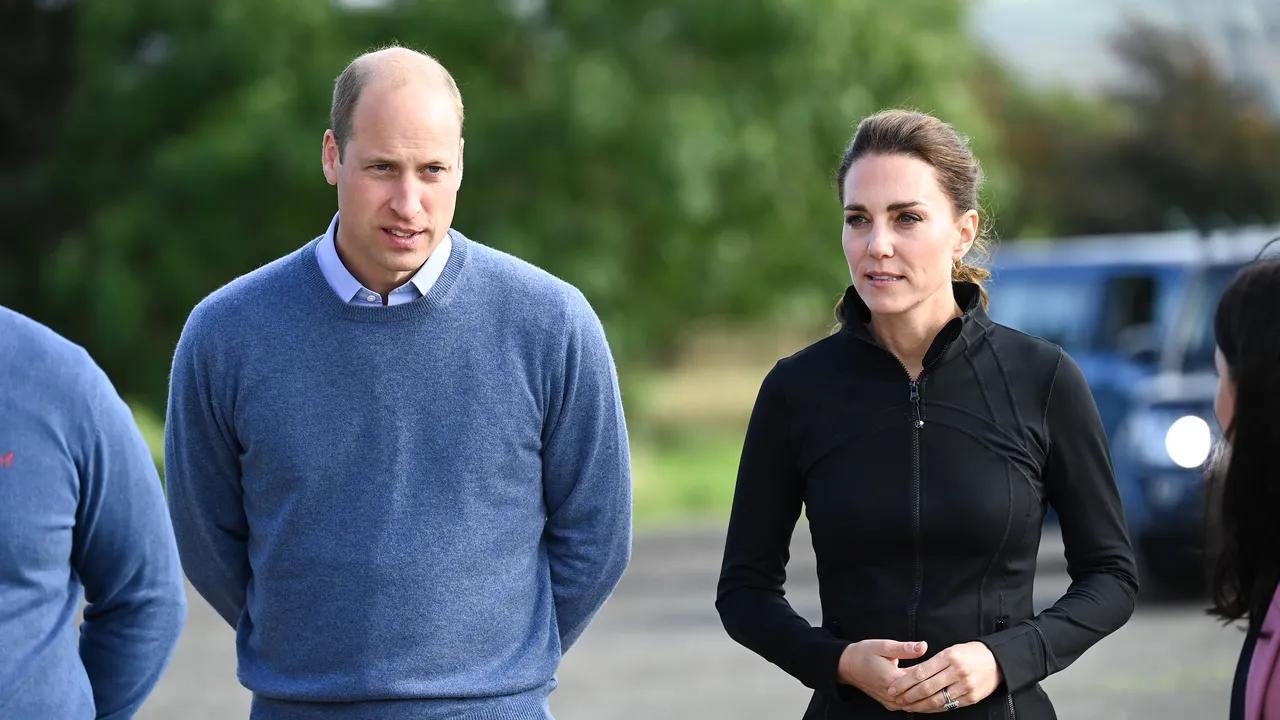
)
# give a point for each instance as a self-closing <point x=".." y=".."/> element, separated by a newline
<point x="901" y="234"/>
<point x="1224" y="403"/>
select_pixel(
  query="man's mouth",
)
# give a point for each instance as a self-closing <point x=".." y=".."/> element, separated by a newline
<point x="403" y="237"/>
<point x="402" y="232"/>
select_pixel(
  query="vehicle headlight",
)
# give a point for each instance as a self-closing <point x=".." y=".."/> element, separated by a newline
<point x="1170" y="438"/>
<point x="1188" y="441"/>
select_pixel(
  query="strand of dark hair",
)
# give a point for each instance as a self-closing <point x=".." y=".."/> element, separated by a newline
<point x="1243" y="532"/>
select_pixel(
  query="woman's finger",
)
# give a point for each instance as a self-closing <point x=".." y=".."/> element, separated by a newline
<point x="959" y="691"/>
<point x="913" y="676"/>
<point x="931" y="686"/>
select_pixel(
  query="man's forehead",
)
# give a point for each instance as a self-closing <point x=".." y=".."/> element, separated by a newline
<point x="424" y="96"/>
<point x="423" y="93"/>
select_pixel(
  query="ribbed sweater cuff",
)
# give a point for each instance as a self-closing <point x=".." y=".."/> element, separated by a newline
<point x="531" y="705"/>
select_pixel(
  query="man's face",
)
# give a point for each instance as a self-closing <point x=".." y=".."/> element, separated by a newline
<point x="398" y="178"/>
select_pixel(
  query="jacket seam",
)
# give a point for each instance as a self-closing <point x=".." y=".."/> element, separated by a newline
<point x="982" y="388"/>
<point x="1048" y="400"/>
<point x="1008" y="385"/>
<point x="982" y="584"/>
<point x="1045" y="650"/>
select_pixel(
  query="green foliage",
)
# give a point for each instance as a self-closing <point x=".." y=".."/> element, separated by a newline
<point x="672" y="159"/>
<point x="1203" y="147"/>
<point x="1178" y="145"/>
<point x="687" y="474"/>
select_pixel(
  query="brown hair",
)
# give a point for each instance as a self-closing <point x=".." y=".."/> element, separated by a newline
<point x="906" y="132"/>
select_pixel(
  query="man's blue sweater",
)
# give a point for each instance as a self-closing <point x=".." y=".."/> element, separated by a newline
<point x="406" y="511"/>
<point x="80" y="508"/>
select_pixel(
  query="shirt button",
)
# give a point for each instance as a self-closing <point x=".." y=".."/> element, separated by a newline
<point x="371" y="298"/>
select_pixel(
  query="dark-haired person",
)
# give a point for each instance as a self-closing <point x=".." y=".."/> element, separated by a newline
<point x="398" y="464"/>
<point x="82" y="518"/>
<point x="925" y="444"/>
<point x="1247" y="533"/>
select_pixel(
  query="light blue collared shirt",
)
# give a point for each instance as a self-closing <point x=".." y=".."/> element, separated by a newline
<point x="350" y="290"/>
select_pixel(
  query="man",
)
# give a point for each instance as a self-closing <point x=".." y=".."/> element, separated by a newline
<point x="81" y="509"/>
<point x="397" y="458"/>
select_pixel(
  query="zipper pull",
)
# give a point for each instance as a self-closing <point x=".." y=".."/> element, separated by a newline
<point x="915" y="403"/>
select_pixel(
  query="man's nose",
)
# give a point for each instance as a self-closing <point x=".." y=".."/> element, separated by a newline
<point x="406" y="202"/>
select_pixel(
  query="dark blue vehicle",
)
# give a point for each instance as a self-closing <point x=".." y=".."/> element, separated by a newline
<point x="1162" y="448"/>
<point x="1137" y="314"/>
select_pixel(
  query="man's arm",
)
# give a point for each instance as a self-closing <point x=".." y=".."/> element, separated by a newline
<point x="202" y="470"/>
<point x="124" y="554"/>
<point x="586" y="476"/>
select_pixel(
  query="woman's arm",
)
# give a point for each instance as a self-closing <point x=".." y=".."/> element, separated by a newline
<point x="1104" y="584"/>
<point x="766" y="504"/>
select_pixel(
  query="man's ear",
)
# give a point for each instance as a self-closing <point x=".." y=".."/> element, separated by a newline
<point x="462" y="144"/>
<point x="330" y="157"/>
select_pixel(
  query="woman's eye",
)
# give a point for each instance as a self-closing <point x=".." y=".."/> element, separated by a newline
<point x="855" y="220"/>
<point x="909" y="218"/>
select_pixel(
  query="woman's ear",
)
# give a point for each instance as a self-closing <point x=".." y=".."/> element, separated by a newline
<point x="967" y="233"/>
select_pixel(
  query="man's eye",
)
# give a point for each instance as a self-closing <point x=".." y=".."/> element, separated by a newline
<point x="435" y="169"/>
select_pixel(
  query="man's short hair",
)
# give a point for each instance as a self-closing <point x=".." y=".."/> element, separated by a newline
<point x="351" y="82"/>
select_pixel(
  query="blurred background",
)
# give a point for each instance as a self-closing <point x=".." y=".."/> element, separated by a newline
<point x="674" y="160"/>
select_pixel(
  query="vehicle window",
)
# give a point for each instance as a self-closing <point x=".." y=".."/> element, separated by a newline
<point x="1058" y="309"/>
<point x="1129" y="324"/>
<point x="1123" y="312"/>
<point x="1196" y="328"/>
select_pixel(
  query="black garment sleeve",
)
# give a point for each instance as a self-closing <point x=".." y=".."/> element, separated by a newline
<point x="766" y="504"/>
<point x="1104" y="586"/>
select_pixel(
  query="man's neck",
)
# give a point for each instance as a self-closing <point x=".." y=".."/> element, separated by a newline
<point x="380" y="281"/>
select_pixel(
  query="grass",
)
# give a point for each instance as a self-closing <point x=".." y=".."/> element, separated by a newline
<point x="685" y="476"/>
<point x="151" y="424"/>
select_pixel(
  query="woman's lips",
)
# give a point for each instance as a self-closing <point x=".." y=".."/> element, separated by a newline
<point x="883" y="279"/>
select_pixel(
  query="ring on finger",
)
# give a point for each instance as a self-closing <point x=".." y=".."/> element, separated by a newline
<point x="947" y="702"/>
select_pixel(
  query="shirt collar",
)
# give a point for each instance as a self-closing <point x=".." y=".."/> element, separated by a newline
<point x="349" y="289"/>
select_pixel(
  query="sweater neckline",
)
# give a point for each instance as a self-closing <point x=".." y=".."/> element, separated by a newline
<point x="439" y="294"/>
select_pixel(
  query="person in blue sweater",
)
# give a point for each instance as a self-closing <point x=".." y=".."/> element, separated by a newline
<point x="82" y="515"/>
<point x="397" y="458"/>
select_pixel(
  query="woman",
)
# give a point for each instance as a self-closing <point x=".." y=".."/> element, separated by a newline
<point x="925" y="443"/>
<point x="1247" y="566"/>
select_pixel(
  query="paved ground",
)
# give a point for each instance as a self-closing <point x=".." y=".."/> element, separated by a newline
<point x="657" y="651"/>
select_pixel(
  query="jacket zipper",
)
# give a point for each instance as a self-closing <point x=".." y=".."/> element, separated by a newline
<point x="1001" y="622"/>
<point x="917" y="423"/>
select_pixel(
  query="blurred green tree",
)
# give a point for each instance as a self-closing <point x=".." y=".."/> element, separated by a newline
<point x="1178" y="145"/>
<point x="1204" y="147"/>
<point x="672" y="159"/>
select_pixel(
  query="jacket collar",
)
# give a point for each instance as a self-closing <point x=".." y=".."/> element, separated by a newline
<point x="855" y="319"/>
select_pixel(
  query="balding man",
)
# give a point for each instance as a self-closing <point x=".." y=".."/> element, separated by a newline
<point x="397" y="460"/>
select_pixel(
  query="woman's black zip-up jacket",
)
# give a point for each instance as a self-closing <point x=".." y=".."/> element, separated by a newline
<point x="925" y="501"/>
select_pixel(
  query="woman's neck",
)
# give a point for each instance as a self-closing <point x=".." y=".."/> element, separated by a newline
<point x="908" y="335"/>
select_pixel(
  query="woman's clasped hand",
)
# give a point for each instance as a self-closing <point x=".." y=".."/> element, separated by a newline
<point x="963" y="674"/>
